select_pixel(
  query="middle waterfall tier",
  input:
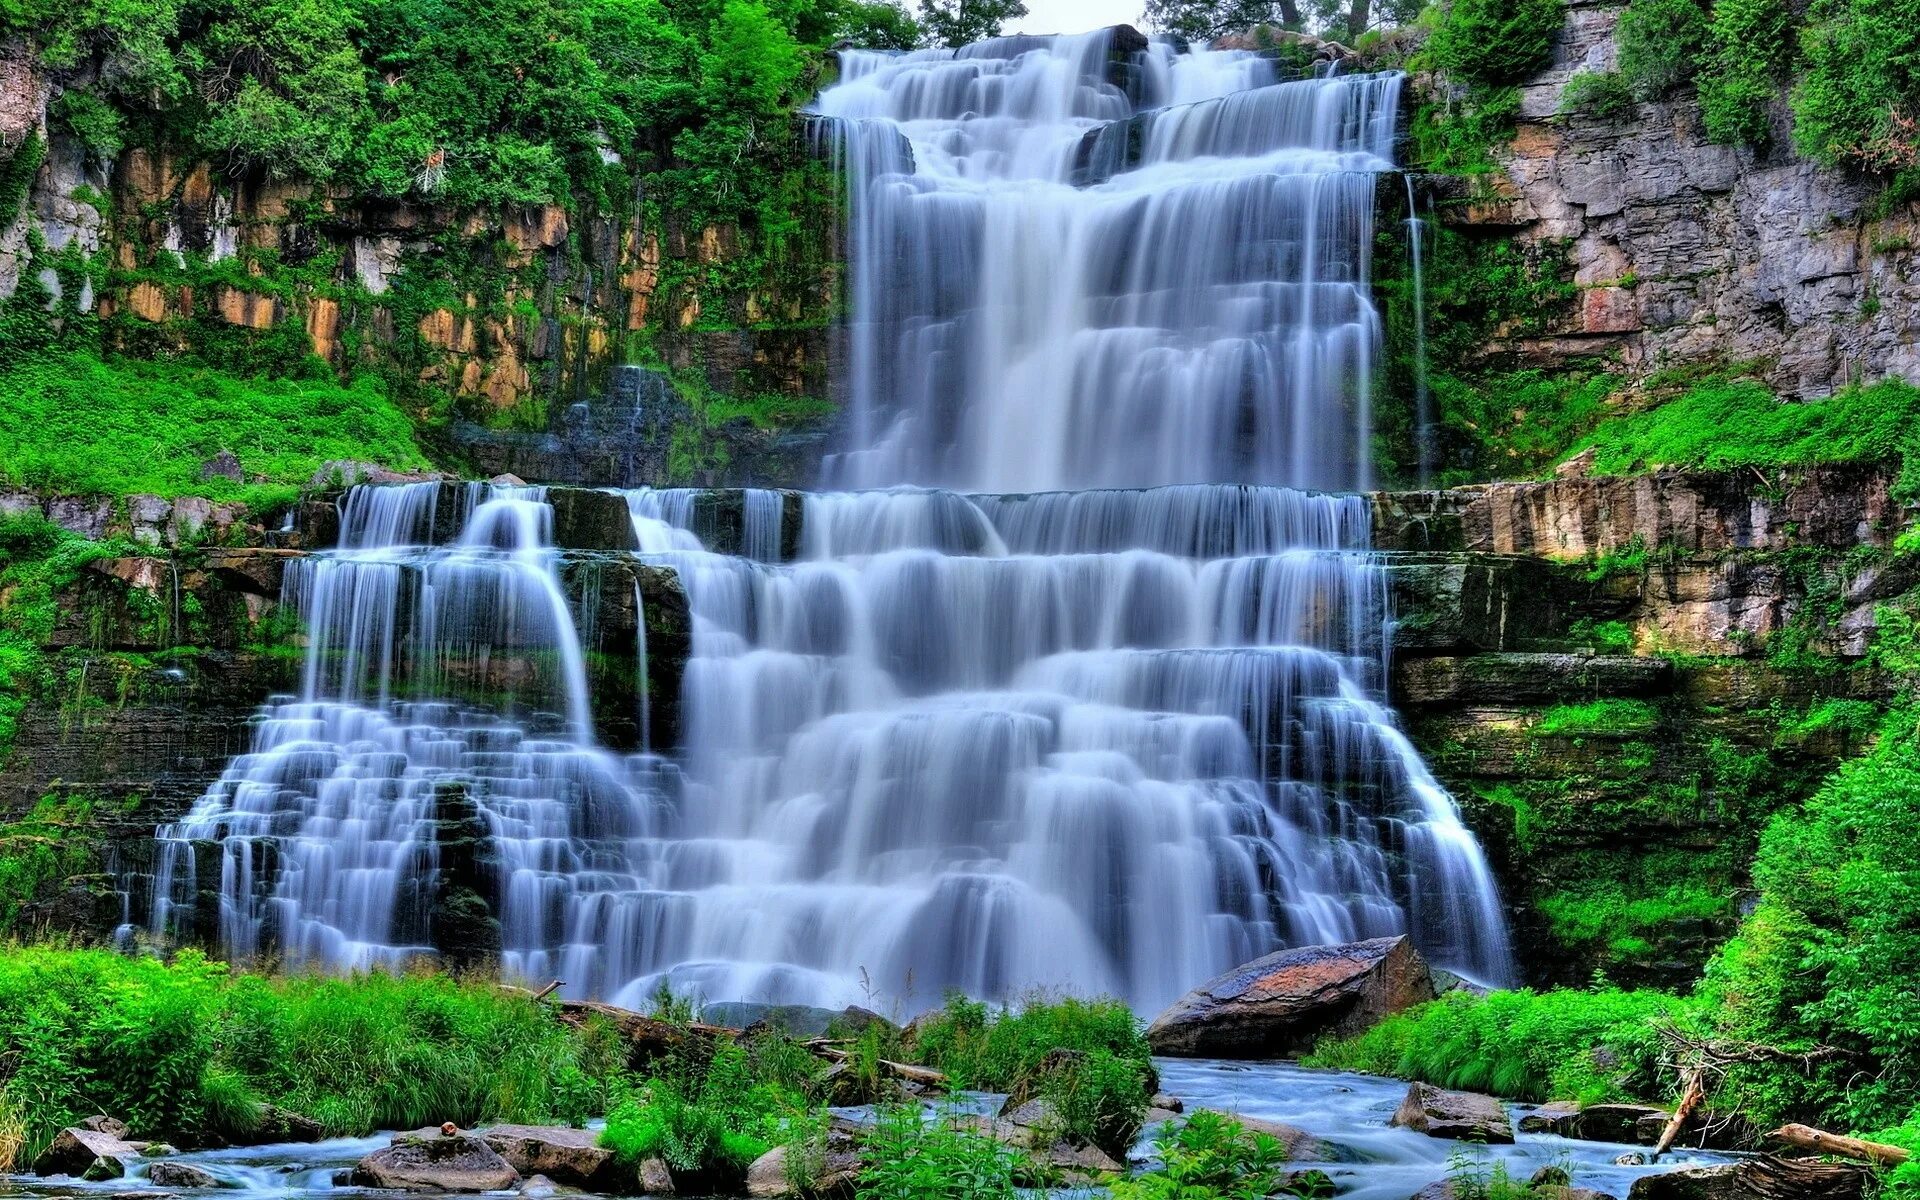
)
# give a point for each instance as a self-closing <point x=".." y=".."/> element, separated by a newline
<point x="1098" y="741"/>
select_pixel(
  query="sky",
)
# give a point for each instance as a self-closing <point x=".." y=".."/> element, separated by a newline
<point x="1076" y="16"/>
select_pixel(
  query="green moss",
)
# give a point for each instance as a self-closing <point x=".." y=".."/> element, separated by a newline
<point x="1612" y="718"/>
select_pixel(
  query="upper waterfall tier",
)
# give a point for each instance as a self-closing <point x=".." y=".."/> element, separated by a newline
<point x="1202" y="314"/>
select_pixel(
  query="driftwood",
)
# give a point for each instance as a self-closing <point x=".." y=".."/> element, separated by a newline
<point x="1772" y="1178"/>
<point x="924" y="1076"/>
<point x="1805" y="1137"/>
<point x="1690" y="1099"/>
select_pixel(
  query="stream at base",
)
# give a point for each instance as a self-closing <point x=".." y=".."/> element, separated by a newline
<point x="1350" y="1110"/>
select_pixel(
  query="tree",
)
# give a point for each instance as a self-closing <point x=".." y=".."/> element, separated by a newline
<point x="1204" y="20"/>
<point x="962" y="22"/>
<point x="877" y="25"/>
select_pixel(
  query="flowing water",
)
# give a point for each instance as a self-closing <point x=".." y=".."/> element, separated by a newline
<point x="1103" y="713"/>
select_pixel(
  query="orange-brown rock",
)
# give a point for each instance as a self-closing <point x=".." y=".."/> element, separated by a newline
<point x="249" y="309"/>
<point x="1281" y="1004"/>
<point x="323" y="327"/>
<point x="147" y="301"/>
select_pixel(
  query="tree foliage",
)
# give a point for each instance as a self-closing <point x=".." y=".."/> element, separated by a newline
<point x="961" y="22"/>
<point x="1494" y="42"/>
<point x="1749" y="52"/>
<point x="1660" y="43"/>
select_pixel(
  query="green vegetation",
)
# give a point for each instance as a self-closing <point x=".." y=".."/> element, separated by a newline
<point x="1604" y="94"/>
<point x="707" y="1118"/>
<point x="74" y="422"/>
<point x="1618" y="922"/>
<point x="1661" y="43"/>
<point x="188" y="1050"/>
<point x="911" y="1158"/>
<point x="1598" y="718"/>
<point x="1099" y="1088"/>
<point x="1749" y="52"/>
<point x="1591" y="1046"/>
<point x="1724" y="423"/>
<point x="1493" y="42"/>
<point x="1214" y="1157"/>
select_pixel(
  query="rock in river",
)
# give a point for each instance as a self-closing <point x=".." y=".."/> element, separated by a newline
<point x="180" y="1175"/>
<point x="1462" y="1116"/>
<point x="569" y="1157"/>
<point x="1279" y="1005"/>
<point x="430" y="1161"/>
<point x="100" y="1153"/>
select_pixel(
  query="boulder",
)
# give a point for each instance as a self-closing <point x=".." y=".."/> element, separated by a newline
<point x="570" y="1157"/>
<point x="1687" y="1183"/>
<point x="111" y="1126"/>
<point x="655" y="1178"/>
<point x="1461" y="1116"/>
<point x="223" y="465"/>
<point x="281" y="1125"/>
<point x="87" y="1153"/>
<point x="180" y="1175"/>
<point x="1555" y="1116"/>
<point x="539" y="1187"/>
<point x="1618" y="1122"/>
<point x="1281" y="1004"/>
<point x="1170" y="1103"/>
<point x="833" y="1176"/>
<point x="428" y="1160"/>
<point x="1299" y="1145"/>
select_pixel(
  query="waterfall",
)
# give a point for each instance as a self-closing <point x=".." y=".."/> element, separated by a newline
<point x="1076" y="680"/>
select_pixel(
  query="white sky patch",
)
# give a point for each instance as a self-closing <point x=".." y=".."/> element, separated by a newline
<point x="1077" y="16"/>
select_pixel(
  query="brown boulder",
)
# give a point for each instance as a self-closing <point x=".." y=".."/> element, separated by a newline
<point x="570" y="1157"/>
<point x="1281" y="1004"/>
<point x="1462" y="1116"/>
<point x="430" y="1161"/>
<point x="180" y="1175"/>
<point x="834" y="1176"/>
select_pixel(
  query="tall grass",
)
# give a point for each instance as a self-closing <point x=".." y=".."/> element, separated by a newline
<point x="190" y="1051"/>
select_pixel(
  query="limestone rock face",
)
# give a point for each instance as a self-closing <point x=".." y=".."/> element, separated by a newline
<point x="430" y="1161"/>
<point x="1281" y="1004"/>
<point x="1461" y="1116"/>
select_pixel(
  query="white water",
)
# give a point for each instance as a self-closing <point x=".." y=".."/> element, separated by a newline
<point x="1089" y="740"/>
<point x="1202" y="316"/>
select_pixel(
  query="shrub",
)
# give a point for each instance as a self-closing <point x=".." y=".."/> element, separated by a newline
<point x="1004" y="1049"/>
<point x="909" y="1158"/>
<point x="1587" y="1046"/>
<point x="1660" y="44"/>
<point x="1213" y="1156"/>
<point x="1856" y="99"/>
<point x="1603" y="94"/>
<point x="1604" y="718"/>
<point x="1750" y="50"/>
<point x="708" y="1119"/>
<point x="1494" y="42"/>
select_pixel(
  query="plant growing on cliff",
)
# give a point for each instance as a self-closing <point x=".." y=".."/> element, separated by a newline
<point x="1859" y="92"/>
<point x="1494" y="42"/>
<point x="1660" y="44"/>
<point x="1603" y="94"/>
<point x="1749" y="52"/>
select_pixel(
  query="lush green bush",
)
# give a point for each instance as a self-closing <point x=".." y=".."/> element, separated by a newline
<point x="1604" y="94"/>
<point x="1214" y="1157"/>
<point x="1661" y="43"/>
<point x="708" y="1120"/>
<point x="1494" y="42"/>
<point x="1856" y="98"/>
<point x="187" y="1050"/>
<point x="1750" y="52"/>
<point x="1723" y="423"/>
<point x="1831" y="958"/>
<point x="1580" y="1045"/>
<point x="1622" y="920"/>
<point x="911" y="1158"/>
<point x="77" y="423"/>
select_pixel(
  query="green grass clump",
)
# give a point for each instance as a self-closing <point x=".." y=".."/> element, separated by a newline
<point x="1627" y="920"/>
<point x="1604" y="94"/>
<point x="708" y="1120"/>
<point x="75" y="422"/>
<point x="1590" y="1046"/>
<point x="1598" y="718"/>
<point x="1727" y="423"/>
<point x="1213" y="1157"/>
<point x="188" y="1050"/>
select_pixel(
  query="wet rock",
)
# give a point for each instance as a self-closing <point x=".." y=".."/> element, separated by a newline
<point x="572" y="1157"/>
<point x="1297" y="1143"/>
<point x="1597" y="1122"/>
<point x="1162" y="1100"/>
<point x="584" y="519"/>
<point x="88" y="1153"/>
<point x="160" y="1150"/>
<point x="1687" y="1183"/>
<point x="655" y="1178"/>
<point x="1079" y="1165"/>
<point x="282" y="1125"/>
<point x="1555" y="1116"/>
<point x="794" y="1020"/>
<point x="1281" y="1004"/>
<point x="430" y="1161"/>
<point x="111" y="1126"/>
<point x="539" y="1188"/>
<point x="180" y="1175"/>
<point x="1461" y="1116"/>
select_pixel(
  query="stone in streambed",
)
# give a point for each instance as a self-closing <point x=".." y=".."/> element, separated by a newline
<point x="94" y="1154"/>
<point x="1461" y="1116"/>
<point x="570" y="1157"/>
<point x="1297" y="1144"/>
<point x="1280" y="1005"/>
<point x="430" y="1161"/>
<point x="833" y="1178"/>
<point x="180" y="1175"/>
<point x="1688" y="1183"/>
<point x="655" y="1178"/>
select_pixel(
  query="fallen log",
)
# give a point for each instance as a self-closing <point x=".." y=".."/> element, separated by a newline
<point x="925" y="1076"/>
<point x="1805" y="1137"/>
<point x="1690" y="1099"/>
<point x="1770" y="1177"/>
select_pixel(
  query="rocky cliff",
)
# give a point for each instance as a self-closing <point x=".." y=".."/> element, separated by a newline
<point x="1685" y="252"/>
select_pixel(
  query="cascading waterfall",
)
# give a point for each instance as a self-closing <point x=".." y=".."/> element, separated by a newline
<point x="1074" y="695"/>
